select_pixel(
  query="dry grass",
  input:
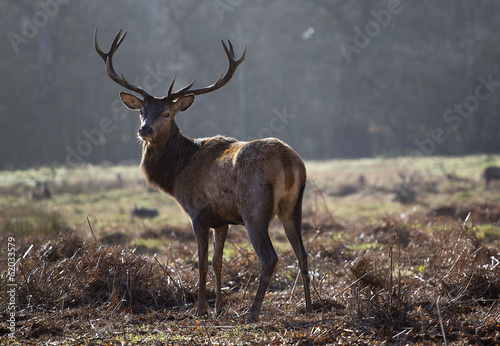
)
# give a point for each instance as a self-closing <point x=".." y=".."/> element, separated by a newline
<point x="416" y="274"/>
<point x="397" y="290"/>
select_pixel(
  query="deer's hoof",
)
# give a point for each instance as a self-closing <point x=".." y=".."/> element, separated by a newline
<point x="252" y="318"/>
<point x="200" y="313"/>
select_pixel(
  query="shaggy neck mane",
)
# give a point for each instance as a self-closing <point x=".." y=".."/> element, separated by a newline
<point x="164" y="159"/>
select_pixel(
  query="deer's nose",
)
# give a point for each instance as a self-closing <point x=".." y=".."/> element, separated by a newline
<point x="146" y="131"/>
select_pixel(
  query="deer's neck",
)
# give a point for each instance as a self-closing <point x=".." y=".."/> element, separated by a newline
<point x="163" y="161"/>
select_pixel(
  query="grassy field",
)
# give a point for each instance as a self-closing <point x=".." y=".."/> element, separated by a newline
<point x="401" y="251"/>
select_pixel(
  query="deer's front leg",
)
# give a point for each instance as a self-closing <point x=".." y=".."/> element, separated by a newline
<point x="201" y="232"/>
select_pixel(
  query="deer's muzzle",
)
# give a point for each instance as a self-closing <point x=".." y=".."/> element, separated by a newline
<point x="147" y="132"/>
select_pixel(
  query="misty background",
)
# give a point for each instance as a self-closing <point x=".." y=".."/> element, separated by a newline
<point x="334" y="79"/>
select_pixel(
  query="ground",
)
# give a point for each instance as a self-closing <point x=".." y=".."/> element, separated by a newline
<point x="401" y="251"/>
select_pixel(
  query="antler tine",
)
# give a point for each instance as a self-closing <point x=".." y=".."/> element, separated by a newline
<point x="171" y="86"/>
<point x="174" y="95"/>
<point x="230" y="53"/>
<point x="221" y="81"/>
<point x="114" y="46"/>
<point x="224" y="79"/>
<point x="96" y="46"/>
<point x="231" y="50"/>
<point x="108" y="59"/>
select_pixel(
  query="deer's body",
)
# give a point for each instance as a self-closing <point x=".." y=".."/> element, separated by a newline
<point x="228" y="182"/>
<point x="220" y="181"/>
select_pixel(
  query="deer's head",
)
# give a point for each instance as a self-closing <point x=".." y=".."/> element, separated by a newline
<point x="157" y="114"/>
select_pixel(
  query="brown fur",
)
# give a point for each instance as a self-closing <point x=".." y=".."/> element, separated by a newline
<point x="220" y="181"/>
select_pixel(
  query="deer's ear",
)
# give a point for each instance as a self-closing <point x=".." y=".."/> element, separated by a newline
<point x="131" y="101"/>
<point x="183" y="103"/>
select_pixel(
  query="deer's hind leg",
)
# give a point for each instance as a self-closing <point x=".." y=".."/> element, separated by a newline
<point x="268" y="258"/>
<point x="290" y="215"/>
<point x="257" y="212"/>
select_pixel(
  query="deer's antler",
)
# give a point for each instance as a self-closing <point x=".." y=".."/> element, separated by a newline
<point x="223" y="79"/>
<point x="108" y="60"/>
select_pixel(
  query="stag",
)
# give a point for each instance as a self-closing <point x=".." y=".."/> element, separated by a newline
<point x="219" y="181"/>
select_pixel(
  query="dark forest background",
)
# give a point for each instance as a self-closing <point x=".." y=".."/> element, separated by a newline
<point x="332" y="78"/>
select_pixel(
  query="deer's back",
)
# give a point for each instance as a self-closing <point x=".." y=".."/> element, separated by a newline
<point x="226" y="173"/>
